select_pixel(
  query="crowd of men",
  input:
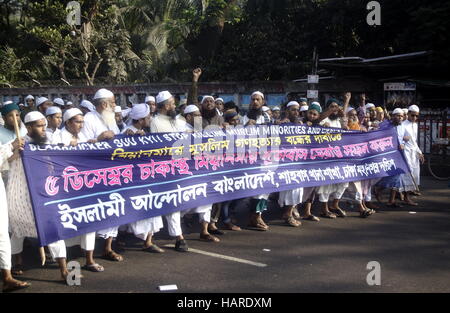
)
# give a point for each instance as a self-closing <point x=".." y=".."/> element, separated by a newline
<point x="45" y="121"/>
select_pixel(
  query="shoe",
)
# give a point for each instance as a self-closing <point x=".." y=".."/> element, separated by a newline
<point x="181" y="246"/>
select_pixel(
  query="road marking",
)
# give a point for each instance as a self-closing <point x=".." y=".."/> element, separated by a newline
<point x="221" y="256"/>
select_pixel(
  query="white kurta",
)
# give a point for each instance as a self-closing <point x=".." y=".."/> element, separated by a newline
<point x="5" y="243"/>
<point x="412" y="150"/>
<point x="93" y="127"/>
<point x="290" y="197"/>
<point x="52" y="133"/>
<point x="151" y="225"/>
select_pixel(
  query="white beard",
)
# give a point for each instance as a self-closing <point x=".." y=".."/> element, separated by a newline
<point x="109" y="118"/>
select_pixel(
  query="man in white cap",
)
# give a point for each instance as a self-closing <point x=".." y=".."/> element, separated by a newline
<point x="21" y="217"/>
<point x="59" y="102"/>
<point x="101" y="125"/>
<point x="165" y="121"/>
<point x="255" y="115"/>
<point x="151" y="102"/>
<point x="413" y="154"/>
<point x="219" y="106"/>
<point x="54" y="120"/>
<point x="29" y="101"/>
<point x="69" y="105"/>
<point x="42" y="104"/>
<point x="210" y="115"/>
<point x="71" y="135"/>
<point x="119" y="117"/>
<point x="276" y="114"/>
<point x="193" y="118"/>
<point x="267" y="111"/>
<point x="86" y="106"/>
<point x="146" y="228"/>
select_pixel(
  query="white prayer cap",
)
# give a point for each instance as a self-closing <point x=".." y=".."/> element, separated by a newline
<point x="207" y="97"/>
<point x="69" y="103"/>
<point x="40" y="100"/>
<point x="398" y="111"/>
<point x="292" y="103"/>
<point x="163" y="96"/>
<point x="304" y="108"/>
<point x="219" y="99"/>
<point x="150" y="98"/>
<point x="405" y="111"/>
<point x="71" y="113"/>
<point x="265" y="108"/>
<point x="191" y="109"/>
<point x="317" y="103"/>
<point x="141" y="110"/>
<point x="117" y="109"/>
<point x="21" y="104"/>
<point x="29" y="97"/>
<point x="414" y="108"/>
<point x="275" y="109"/>
<point x="34" y="116"/>
<point x="258" y="93"/>
<point x="7" y="102"/>
<point x="52" y="110"/>
<point x="58" y="101"/>
<point x="349" y="109"/>
<point x="88" y="105"/>
<point x="103" y="93"/>
<point x="369" y="106"/>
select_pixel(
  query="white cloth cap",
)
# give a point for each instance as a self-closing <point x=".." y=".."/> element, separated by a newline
<point x="163" y="96"/>
<point x="140" y="110"/>
<point x="52" y="110"/>
<point x="219" y="99"/>
<point x="265" y="108"/>
<point x="258" y="93"/>
<point x="71" y="113"/>
<point x="29" y="97"/>
<point x="304" y="108"/>
<point x="58" y="101"/>
<point x="103" y="93"/>
<point x="414" y="108"/>
<point x="369" y="106"/>
<point x="34" y="116"/>
<point x="292" y="103"/>
<point x="190" y="109"/>
<point x="7" y="102"/>
<point x="398" y="111"/>
<point x="275" y="109"/>
<point x="316" y="103"/>
<point x="150" y="98"/>
<point x="88" y="105"/>
<point x="40" y="100"/>
<point x="350" y="109"/>
<point x="69" y="103"/>
<point x="117" y="109"/>
<point x="405" y="111"/>
<point x="207" y="97"/>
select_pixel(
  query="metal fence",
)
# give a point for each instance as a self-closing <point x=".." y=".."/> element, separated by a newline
<point x="434" y="128"/>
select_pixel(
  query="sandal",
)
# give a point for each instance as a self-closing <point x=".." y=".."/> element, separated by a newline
<point x="16" y="286"/>
<point x="153" y="249"/>
<point x="96" y="268"/>
<point x="311" y="218"/>
<point x="291" y="221"/>
<point x="112" y="256"/>
<point x="231" y="226"/>
<point x="339" y="212"/>
<point x="365" y="214"/>
<point x="209" y="238"/>
<point x="328" y="215"/>
<point x="17" y="270"/>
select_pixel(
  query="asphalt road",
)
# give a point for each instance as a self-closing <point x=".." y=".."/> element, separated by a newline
<point x="413" y="251"/>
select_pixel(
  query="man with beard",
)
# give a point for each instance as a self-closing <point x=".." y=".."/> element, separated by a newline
<point x="165" y="121"/>
<point x="151" y="102"/>
<point x="193" y="118"/>
<point x="42" y="104"/>
<point x="119" y="117"/>
<point x="289" y="199"/>
<point x="101" y="125"/>
<point x="210" y="116"/>
<point x="21" y="218"/>
<point x="255" y="115"/>
<point x="333" y="191"/>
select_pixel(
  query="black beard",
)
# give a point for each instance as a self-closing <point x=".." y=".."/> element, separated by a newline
<point x="38" y="140"/>
<point x="253" y="114"/>
<point x="172" y="114"/>
<point x="209" y="114"/>
<point x="333" y="117"/>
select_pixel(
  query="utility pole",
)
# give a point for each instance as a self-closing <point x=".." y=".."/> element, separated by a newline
<point x="313" y="79"/>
